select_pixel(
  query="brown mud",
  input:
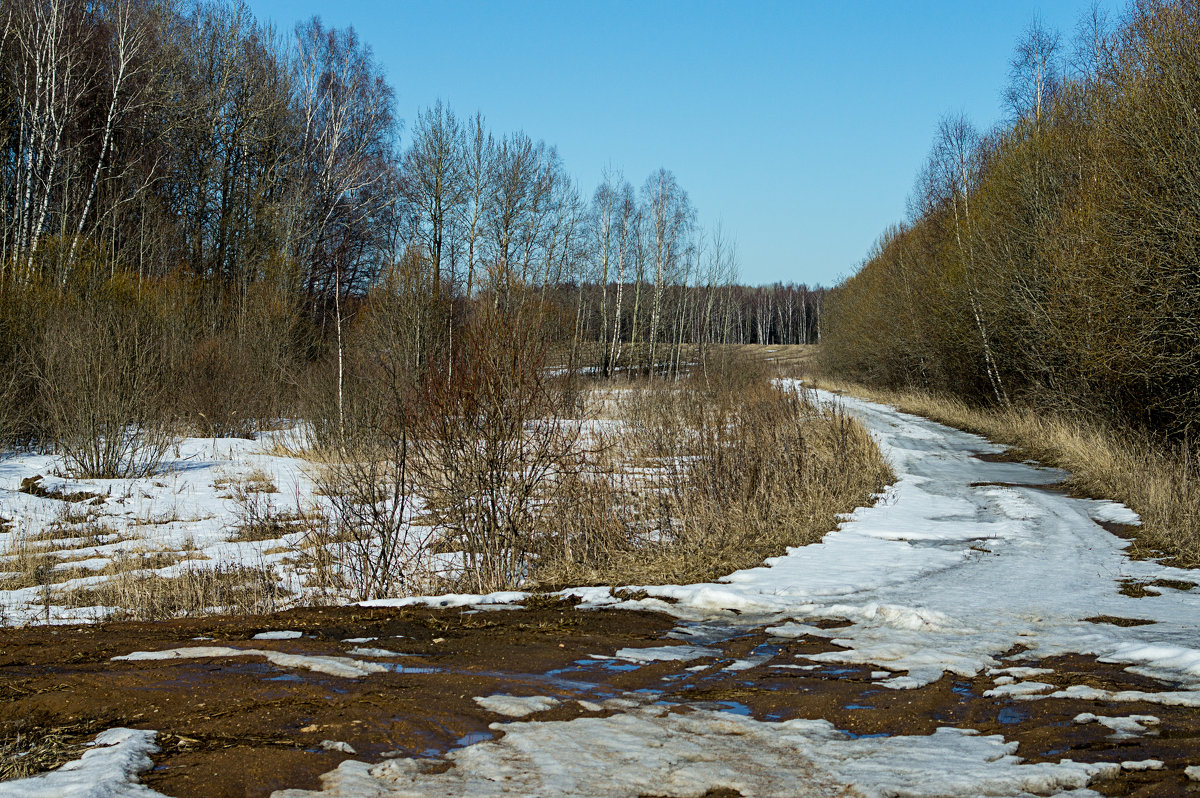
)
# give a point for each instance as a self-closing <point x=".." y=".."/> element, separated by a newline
<point x="241" y="726"/>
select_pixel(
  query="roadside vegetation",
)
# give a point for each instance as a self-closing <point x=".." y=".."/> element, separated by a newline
<point x="1045" y="288"/>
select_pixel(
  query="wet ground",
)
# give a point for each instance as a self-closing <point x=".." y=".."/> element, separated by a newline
<point x="242" y="726"/>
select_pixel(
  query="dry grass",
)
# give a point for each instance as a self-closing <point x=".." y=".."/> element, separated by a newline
<point x="713" y="474"/>
<point x="236" y="589"/>
<point x="258" y="517"/>
<point x="1162" y="486"/>
<point x="34" y="566"/>
<point x="24" y="754"/>
<point x="255" y="481"/>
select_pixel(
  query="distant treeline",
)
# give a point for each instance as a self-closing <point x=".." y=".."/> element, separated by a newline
<point x="209" y="220"/>
<point x="1057" y="258"/>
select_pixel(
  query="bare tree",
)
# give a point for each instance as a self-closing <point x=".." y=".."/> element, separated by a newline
<point x="1092" y="52"/>
<point x="1034" y="72"/>
<point x="478" y="163"/>
<point x="955" y="172"/>
<point x="669" y="219"/>
<point x="433" y="180"/>
<point x="345" y="108"/>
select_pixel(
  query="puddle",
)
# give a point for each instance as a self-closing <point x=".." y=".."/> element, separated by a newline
<point x="610" y="665"/>
<point x="396" y="667"/>
<point x="1011" y="715"/>
<point x="470" y="738"/>
<point x="732" y="707"/>
<point x="858" y="706"/>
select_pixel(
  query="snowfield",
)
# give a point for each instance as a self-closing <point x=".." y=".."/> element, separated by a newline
<point x="961" y="561"/>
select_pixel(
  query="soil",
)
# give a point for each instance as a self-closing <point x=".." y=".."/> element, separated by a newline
<point x="241" y="726"/>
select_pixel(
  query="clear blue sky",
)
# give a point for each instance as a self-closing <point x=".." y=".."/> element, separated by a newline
<point x="799" y="125"/>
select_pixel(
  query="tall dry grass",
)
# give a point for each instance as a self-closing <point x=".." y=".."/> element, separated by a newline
<point x="709" y="475"/>
<point x="1160" y="483"/>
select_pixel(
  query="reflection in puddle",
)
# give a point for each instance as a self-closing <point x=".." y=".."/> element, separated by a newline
<point x="732" y="707"/>
<point x="839" y="671"/>
<point x="470" y="738"/>
<point x="1010" y="715"/>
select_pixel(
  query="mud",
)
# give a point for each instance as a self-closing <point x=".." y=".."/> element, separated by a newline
<point x="241" y="726"/>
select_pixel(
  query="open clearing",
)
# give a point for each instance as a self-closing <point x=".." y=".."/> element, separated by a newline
<point x="975" y="595"/>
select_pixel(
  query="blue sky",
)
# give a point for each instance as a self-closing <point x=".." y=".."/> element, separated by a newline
<point x="799" y="125"/>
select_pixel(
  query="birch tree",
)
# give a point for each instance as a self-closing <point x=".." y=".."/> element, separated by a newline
<point x="669" y="218"/>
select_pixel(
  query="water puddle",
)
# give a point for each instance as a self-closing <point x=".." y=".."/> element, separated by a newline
<point x="396" y="667"/>
<point x="732" y="707"/>
<point x="471" y="738"/>
<point x="1011" y="715"/>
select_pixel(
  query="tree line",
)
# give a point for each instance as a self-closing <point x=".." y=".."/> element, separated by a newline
<point x="1054" y="260"/>
<point x="209" y="219"/>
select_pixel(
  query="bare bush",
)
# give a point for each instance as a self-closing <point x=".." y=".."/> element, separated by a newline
<point x="496" y="442"/>
<point x="100" y="380"/>
<point x="375" y="548"/>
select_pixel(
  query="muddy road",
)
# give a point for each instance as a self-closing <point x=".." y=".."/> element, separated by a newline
<point x="232" y="726"/>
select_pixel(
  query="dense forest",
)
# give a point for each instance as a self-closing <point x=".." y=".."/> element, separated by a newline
<point x="1055" y="260"/>
<point x="209" y="219"/>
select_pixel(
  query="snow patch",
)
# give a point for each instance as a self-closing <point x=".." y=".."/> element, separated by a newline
<point x="333" y="666"/>
<point x="281" y="635"/>
<point x="109" y="770"/>
<point x="519" y="706"/>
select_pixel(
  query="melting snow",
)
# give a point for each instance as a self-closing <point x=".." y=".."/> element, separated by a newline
<point x="334" y="666"/>
<point x="651" y="752"/>
<point x="108" y="770"/>
<point x="287" y="635"/>
<point x="518" y="706"/>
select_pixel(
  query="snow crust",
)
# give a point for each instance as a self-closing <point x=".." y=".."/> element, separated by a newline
<point x="185" y="510"/>
<point x="280" y="635"/>
<point x="109" y="770"/>
<point x="333" y="666"/>
<point x="682" y="653"/>
<point x="517" y="706"/>
<point x="653" y="751"/>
